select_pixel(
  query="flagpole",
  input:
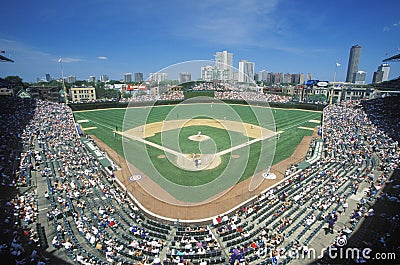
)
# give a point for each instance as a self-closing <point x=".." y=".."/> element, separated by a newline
<point x="63" y="82"/>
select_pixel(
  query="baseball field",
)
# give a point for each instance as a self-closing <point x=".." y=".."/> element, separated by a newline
<point x="195" y="151"/>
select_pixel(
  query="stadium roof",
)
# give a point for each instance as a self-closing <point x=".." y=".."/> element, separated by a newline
<point x="395" y="58"/>
<point x="5" y="59"/>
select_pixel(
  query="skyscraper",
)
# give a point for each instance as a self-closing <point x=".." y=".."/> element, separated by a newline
<point x="128" y="77"/>
<point x="104" y="78"/>
<point x="275" y="78"/>
<point x="385" y="69"/>
<point x="382" y="74"/>
<point x="246" y="72"/>
<point x="308" y="77"/>
<point x="138" y="77"/>
<point x="158" y="77"/>
<point x="48" y="78"/>
<point x="354" y="60"/>
<point x="262" y="75"/>
<point x="359" y="77"/>
<point x="297" y="79"/>
<point x="224" y="62"/>
<point x="287" y="78"/>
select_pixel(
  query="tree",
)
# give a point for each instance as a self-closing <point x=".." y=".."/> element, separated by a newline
<point x="100" y="91"/>
<point x="14" y="80"/>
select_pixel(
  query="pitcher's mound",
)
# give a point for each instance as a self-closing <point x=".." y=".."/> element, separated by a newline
<point x="204" y="161"/>
<point x="199" y="138"/>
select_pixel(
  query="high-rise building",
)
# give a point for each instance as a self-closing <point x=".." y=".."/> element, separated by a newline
<point x="385" y="68"/>
<point x="224" y="62"/>
<point x="246" y="72"/>
<point x="360" y="77"/>
<point x="92" y="79"/>
<point x="382" y="74"/>
<point x="157" y="77"/>
<point x="48" y="77"/>
<point x="210" y="73"/>
<point x="262" y="75"/>
<point x="376" y="77"/>
<point x="275" y="78"/>
<point x="256" y="77"/>
<point x="309" y="77"/>
<point x="138" y="77"/>
<point x="128" y="78"/>
<point x="104" y="78"/>
<point x="185" y="77"/>
<point x="354" y="60"/>
<point x="287" y="78"/>
<point x="297" y="79"/>
<point x="71" y="79"/>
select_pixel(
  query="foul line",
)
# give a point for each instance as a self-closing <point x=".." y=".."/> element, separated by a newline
<point x="132" y="137"/>
<point x="243" y="145"/>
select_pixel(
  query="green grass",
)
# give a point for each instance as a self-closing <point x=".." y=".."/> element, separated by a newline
<point x="177" y="139"/>
<point x="287" y="120"/>
<point x="184" y="177"/>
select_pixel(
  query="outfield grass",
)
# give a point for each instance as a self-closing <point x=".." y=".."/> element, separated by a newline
<point x="287" y="120"/>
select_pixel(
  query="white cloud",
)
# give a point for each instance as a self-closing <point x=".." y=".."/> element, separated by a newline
<point x="394" y="25"/>
<point x="102" y="58"/>
<point x="17" y="48"/>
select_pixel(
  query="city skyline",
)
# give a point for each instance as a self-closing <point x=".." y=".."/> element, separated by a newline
<point x="95" y="38"/>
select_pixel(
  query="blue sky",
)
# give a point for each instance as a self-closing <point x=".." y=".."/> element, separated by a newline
<point x="120" y="36"/>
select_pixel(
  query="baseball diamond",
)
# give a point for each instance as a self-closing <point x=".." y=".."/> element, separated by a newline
<point x="187" y="171"/>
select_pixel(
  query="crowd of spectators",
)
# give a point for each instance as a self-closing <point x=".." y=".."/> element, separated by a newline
<point x="192" y="241"/>
<point x="222" y="92"/>
<point x="251" y="96"/>
<point x="171" y="95"/>
<point x="212" y="86"/>
<point x="19" y="241"/>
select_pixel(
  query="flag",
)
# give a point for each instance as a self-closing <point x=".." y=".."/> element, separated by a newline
<point x="337" y="64"/>
<point x="2" y="51"/>
<point x="59" y="60"/>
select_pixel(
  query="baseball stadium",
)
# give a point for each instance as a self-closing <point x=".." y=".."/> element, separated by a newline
<point x="201" y="176"/>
